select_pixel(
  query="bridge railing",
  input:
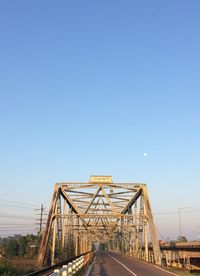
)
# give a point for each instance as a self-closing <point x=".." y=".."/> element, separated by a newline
<point x="68" y="267"/>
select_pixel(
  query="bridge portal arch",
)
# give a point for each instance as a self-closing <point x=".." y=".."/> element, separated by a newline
<point x="99" y="211"/>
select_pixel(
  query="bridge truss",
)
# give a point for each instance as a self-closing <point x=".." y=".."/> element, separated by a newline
<point x="99" y="211"/>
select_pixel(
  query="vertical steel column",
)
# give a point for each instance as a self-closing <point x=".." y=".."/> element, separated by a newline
<point x="46" y="233"/>
<point x="64" y="227"/>
<point x="146" y="249"/>
<point x="136" y="244"/>
<point x="59" y="227"/>
<point x="152" y="228"/>
<point x="53" y="242"/>
<point x="141" y="225"/>
<point x="130" y="222"/>
<point x="76" y="243"/>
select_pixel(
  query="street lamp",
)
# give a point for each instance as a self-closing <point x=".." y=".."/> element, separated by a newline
<point x="179" y="216"/>
<point x="198" y="232"/>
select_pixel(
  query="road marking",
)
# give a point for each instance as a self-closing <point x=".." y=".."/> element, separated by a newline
<point x="165" y="270"/>
<point x="172" y="273"/>
<point x="90" y="267"/>
<point x="122" y="265"/>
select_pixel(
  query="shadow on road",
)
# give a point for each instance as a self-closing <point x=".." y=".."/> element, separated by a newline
<point x="98" y="265"/>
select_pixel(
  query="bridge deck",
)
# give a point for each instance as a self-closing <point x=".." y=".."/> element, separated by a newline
<point x="108" y="264"/>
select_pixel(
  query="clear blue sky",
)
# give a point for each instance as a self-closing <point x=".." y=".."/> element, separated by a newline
<point x="86" y="87"/>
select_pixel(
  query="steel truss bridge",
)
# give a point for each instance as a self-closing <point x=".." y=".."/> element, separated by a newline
<point x="81" y="215"/>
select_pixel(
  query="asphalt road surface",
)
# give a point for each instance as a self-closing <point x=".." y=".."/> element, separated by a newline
<point x="111" y="264"/>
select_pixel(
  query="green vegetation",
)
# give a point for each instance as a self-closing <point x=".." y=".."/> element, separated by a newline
<point x="181" y="272"/>
<point x="19" y="246"/>
<point x="17" y="253"/>
<point x="179" y="239"/>
<point x="7" y="270"/>
<point x="182" y="239"/>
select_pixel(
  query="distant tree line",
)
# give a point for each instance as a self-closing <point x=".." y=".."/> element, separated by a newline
<point x="19" y="246"/>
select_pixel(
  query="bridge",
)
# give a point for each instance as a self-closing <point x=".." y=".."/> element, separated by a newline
<point x="115" y="218"/>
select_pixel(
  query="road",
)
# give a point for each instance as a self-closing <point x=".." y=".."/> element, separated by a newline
<point x="111" y="264"/>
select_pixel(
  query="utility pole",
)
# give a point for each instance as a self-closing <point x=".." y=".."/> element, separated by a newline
<point x="41" y="215"/>
<point x="198" y="232"/>
<point x="41" y="218"/>
<point x="179" y="216"/>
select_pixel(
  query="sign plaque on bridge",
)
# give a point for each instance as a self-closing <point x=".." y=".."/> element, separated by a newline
<point x="101" y="179"/>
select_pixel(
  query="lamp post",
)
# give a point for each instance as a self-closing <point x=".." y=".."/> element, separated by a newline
<point x="179" y="216"/>
<point x="198" y="232"/>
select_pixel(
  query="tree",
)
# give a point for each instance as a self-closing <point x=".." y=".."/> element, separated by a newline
<point x="182" y="239"/>
<point x="12" y="248"/>
<point x="20" y="246"/>
<point x="23" y="246"/>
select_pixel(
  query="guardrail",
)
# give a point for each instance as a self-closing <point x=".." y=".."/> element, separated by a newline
<point x="66" y="268"/>
<point x="70" y="269"/>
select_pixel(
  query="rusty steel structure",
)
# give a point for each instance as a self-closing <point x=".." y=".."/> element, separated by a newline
<point x="100" y="211"/>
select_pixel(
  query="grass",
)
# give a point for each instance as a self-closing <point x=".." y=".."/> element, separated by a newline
<point x="182" y="272"/>
<point x="6" y="269"/>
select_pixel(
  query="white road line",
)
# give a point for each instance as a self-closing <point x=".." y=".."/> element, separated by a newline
<point x="90" y="267"/>
<point x="122" y="265"/>
<point x="172" y="273"/>
<point x="165" y="270"/>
